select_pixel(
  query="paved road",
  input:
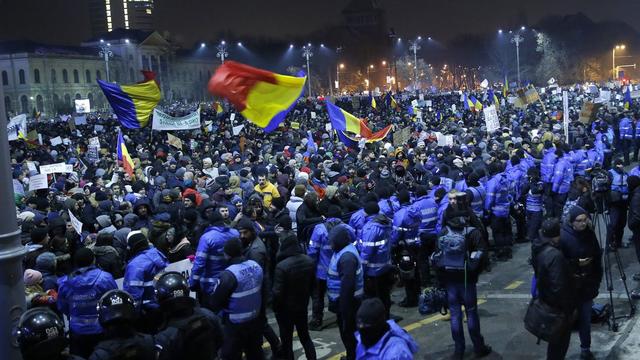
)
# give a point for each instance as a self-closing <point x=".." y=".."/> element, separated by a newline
<point x="503" y="296"/>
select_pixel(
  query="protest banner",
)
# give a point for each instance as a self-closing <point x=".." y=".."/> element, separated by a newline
<point x="401" y="137"/>
<point x="163" y="121"/>
<point x="174" y="141"/>
<point x="313" y="114"/>
<point x="37" y="182"/>
<point x="491" y="119"/>
<point x="75" y="223"/>
<point x="56" y="168"/>
<point x="31" y="166"/>
<point x="55" y="141"/>
<point x="83" y="106"/>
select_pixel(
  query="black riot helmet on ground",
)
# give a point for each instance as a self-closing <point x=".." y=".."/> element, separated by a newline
<point x="40" y="334"/>
<point x="116" y="307"/>
<point x="172" y="292"/>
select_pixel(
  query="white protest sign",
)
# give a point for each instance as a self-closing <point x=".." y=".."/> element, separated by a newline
<point x="428" y="103"/>
<point x="95" y="141"/>
<point x="80" y="120"/>
<point x="31" y="166"/>
<point x="635" y="94"/>
<point x="77" y="224"/>
<point x="491" y="118"/>
<point x="453" y="107"/>
<point x="56" y="168"/>
<point x="414" y="103"/>
<point x="98" y="128"/>
<point x="163" y="121"/>
<point x="313" y="114"/>
<point x="421" y="97"/>
<point x="605" y="95"/>
<point x="55" y="141"/>
<point x="83" y="106"/>
<point x="37" y="182"/>
<point x="232" y="116"/>
<point x="442" y="140"/>
<point x="484" y="84"/>
<point x="66" y="141"/>
<point x="17" y="123"/>
<point x="237" y="129"/>
<point x="327" y="126"/>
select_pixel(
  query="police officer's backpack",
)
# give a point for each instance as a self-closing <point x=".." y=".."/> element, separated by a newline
<point x="452" y="252"/>
<point x="433" y="300"/>
<point x="137" y="347"/>
<point x="198" y="337"/>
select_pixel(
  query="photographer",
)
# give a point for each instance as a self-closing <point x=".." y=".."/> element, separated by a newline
<point x="580" y="246"/>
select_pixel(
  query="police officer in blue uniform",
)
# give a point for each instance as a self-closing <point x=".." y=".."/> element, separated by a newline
<point x="406" y="239"/>
<point x="618" y="204"/>
<point x="549" y="160"/>
<point x="146" y="262"/>
<point x="379" y="338"/>
<point x="427" y="230"/>
<point x="345" y="284"/>
<point x="626" y="129"/>
<point x="188" y="331"/>
<point x="40" y="335"/>
<point x="209" y="260"/>
<point x="238" y="295"/>
<point x="77" y="298"/>
<point x="497" y="205"/>
<point x="117" y="314"/>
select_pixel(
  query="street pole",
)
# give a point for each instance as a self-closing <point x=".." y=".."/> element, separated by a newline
<point x="222" y="51"/>
<point x="338" y="78"/>
<point x="12" y="301"/>
<point x="106" y="53"/>
<point x="414" y="46"/>
<point x="613" y="64"/>
<point x="517" y="39"/>
<point x="307" y="53"/>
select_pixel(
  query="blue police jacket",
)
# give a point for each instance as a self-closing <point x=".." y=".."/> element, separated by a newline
<point x="442" y="206"/>
<point x="388" y="206"/>
<point x="626" y="128"/>
<point x="595" y="156"/>
<point x="562" y="175"/>
<point x="357" y="221"/>
<point x="246" y="300"/>
<point x="333" y="275"/>
<point x="580" y="161"/>
<point x="209" y="260"/>
<point x="477" y="202"/>
<point x="375" y="246"/>
<point x="619" y="182"/>
<point x="428" y="213"/>
<point x="395" y="344"/>
<point x="534" y="201"/>
<point x="406" y="223"/>
<point x="497" y="200"/>
<point x="547" y="165"/>
<point x="78" y="295"/>
<point x="320" y="248"/>
<point x="139" y="274"/>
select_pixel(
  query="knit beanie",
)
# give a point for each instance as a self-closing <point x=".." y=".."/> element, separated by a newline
<point x="83" y="257"/>
<point x="550" y="228"/>
<point x="370" y="313"/>
<point x="32" y="277"/>
<point x="233" y="247"/>
<point x="574" y="212"/>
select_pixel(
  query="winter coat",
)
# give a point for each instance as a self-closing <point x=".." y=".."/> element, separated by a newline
<point x="293" y="280"/>
<point x="108" y="259"/>
<point x="305" y="217"/>
<point x="180" y="251"/>
<point x="553" y="278"/>
<point x="139" y="275"/>
<point x="209" y="260"/>
<point x="395" y="344"/>
<point x="292" y="205"/>
<point x="634" y="210"/>
<point x="319" y="248"/>
<point x="582" y="245"/>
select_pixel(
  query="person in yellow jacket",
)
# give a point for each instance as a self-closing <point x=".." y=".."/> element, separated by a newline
<point x="267" y="190"/>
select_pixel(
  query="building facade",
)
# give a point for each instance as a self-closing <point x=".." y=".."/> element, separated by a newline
<point x="49" y="79"/>
<point x="108" y="15"/>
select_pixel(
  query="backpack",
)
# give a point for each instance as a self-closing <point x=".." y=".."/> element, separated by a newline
<point x="567" y="207"/>
<point x="196" y="335"/>
<point x="133" y="348"/>
<point x="433" y="300"/>
<point x="452" y="254"/>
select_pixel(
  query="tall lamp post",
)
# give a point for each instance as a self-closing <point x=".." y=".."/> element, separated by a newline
<point x="517" y="39"/>
<point x="368" y="76"/>
<point x="106" y="53"/>
<point x="222" y="51"/>
<point x="338" y="67"/>
<point x="415" y="46"/>
<point x="613" y="60"/>
<point x="307" y="54"/>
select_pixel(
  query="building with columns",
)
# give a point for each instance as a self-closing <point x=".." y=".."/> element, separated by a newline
<point x="48" y="78"/>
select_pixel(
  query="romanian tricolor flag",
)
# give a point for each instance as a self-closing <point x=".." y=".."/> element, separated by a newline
<point x="263" y="97"/>
<point x="373" y="102"/>
<point x="133" y="104"/>
<point x="492" y="97"/>
<point x="477" y="105"/>
<point x="505" y="86"/>
<point x="219" y="108"/>
<point x="627" y="98"/>
<point x="123" y="155"/>
<point x="345" y="123"/>
<point x="468" y="103"/>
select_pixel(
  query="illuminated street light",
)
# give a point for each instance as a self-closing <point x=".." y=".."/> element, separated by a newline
<point x="415" y="46"/>
<point x="517" y="39"/>
<point x="222" y="51"/>
<point x="613" y="59"/>
<point x="105" y="53"/>
<point x="202" y="45"/>
<point x="239" y="43"/>
<point x="307" y="54"/>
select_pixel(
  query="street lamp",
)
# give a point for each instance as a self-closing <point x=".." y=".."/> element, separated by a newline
<point x="222" y="51"/>
<point x="338" y="67"/>
<point x="517" y="39"/>
<point x="368" y="75"/>
<point x="415" y="46"/>
<point x="106" y="53"/>
<point x="307" y="54"/>
<point x="613" y="59"/>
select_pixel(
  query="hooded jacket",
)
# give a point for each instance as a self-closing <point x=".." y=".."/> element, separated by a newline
<point x="552" y="275"/>
<point x="395" y="344"/>
<point x="108" y="259"/>
<point x="319" y="248"/>
<point x="209" y="260"/>
<point x="375" y="246"/>
<point x="577" y="245"/>
<point x="292" y="205"/>
<point x="139" y="275"/>
<point x="293" y="279"/>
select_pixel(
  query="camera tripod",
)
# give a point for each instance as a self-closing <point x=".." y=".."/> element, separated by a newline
<point x="601" y="223"/>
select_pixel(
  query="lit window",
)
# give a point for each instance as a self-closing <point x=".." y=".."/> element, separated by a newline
<point x="126" y="24"/>
<point x="149" y="11"/>
<point x="108" y="13"/>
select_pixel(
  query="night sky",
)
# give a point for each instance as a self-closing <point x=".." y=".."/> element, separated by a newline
<point x="190" y="21"/>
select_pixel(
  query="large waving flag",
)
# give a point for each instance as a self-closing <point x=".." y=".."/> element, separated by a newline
<point x="344" y="122"/>
<point x="123" y="155"/>
<point x="468" y="104"/>
<point x="477" y="105"/>
<point x="133" y="104"/>
<point x="627" y="98"/>
<point x="263" y="97"/>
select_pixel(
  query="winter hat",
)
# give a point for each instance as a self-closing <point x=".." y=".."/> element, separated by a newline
<point x="284" y="222"/>
<point x="38" y="234"/>
<point x="159" y="181"/>
<point x="130" y="220"/>
<point x="550" y="228"/>
<point x="299" y="190"/>
<point x="104" y="221"/>
<point x="32" y="277"/>
<point x="574" y="212"/>
<point x="330" y="191"/>
<point x="245" y="224"/>
<point x="83" y="257"/>
<point x="46" y="261"/>
<point x="233" y="247"/>
<point x="371" y="313"/>
<point x="137" y="241"/>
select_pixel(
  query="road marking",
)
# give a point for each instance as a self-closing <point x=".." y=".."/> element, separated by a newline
<point x="514" y="285"/>
<point x="415" y="325"/>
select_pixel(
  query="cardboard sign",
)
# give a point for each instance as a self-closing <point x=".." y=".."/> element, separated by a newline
<point x="80" y="120"/>
<point x="56" y="168"/>
<point x="295" y="125"/>
<point x="491" y="118"/>
<point x="174" y="141"/>
<point x="77" y="224"/>
<point x="31" y="166"/>
<point x="237" y="129"/>
<point x="83" y="106"/>
<point x="401" y="137"/>
<point x="37" y="182"/>
<point x="588" y="112"/>
<point x="313" y="114"/>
